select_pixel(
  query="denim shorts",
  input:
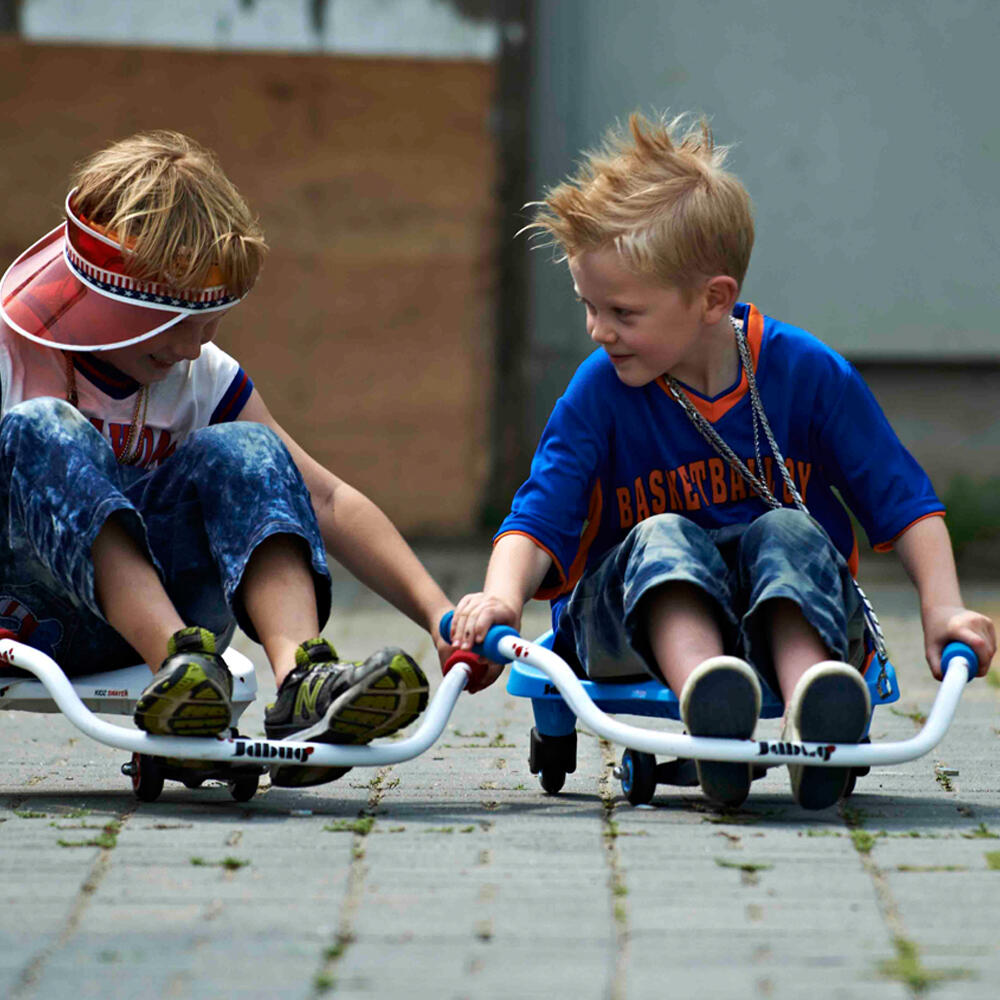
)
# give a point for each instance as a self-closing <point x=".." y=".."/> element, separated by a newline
<point x="198" y="516"/>
<point x="782" y="554"/>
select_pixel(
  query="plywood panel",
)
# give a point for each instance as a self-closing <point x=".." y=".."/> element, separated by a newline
<point x="370" y="332"/>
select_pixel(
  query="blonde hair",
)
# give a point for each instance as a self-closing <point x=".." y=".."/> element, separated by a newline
<point x="659" y="194"/>
<point x="176" y="215"/>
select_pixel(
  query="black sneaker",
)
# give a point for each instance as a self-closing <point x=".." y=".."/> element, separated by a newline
<point x="830" y="704"/>
<point x="325" y="701"/>
<point x="721" y="698"/>
<point x="190" y="694"/>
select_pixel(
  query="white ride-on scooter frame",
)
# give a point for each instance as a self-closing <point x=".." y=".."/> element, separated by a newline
<point x="240" y="760"/>
<point x="544" y="676"/>
<point x="237" y="760"/>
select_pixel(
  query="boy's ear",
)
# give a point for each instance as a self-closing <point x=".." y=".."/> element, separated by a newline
<point x="720" y="294"/>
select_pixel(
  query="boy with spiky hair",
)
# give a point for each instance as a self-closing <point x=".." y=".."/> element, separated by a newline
<point x="682" y="510"/>
<point x="151" y="501"/>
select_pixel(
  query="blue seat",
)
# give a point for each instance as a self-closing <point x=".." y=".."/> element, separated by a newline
<point x="553" y="717"/>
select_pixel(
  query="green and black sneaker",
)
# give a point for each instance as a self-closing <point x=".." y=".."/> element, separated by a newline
<point x="190" y="694"/>
<point x="325" y="701"/>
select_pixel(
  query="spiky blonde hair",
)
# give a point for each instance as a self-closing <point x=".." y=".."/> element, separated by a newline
<point x="659" y="194"/>
<point x="177" y="216"/>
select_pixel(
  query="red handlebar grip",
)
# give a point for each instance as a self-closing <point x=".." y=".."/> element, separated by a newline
<point x="473" y="661"/>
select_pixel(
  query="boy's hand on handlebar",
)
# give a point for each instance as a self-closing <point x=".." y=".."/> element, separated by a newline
<point x="956" y="624"/>
<point x="476" y="614"/>
<point x="479" y="680"/>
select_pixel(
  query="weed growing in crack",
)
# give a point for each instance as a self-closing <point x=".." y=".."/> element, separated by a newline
<point x="230" y="864"/>
<point x="361" y="826"/>
<point x="907" y="968"/>
<point x="106" y="839"/>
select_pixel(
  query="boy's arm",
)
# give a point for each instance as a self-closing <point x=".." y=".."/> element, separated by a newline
<point x="515" y="572"/>
<point x="926" y="553"/>
<point x="362" y="538"/>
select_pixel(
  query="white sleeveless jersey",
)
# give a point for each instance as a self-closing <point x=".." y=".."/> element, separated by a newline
<point x="211" y="390"/>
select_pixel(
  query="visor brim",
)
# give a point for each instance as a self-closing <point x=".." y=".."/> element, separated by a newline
<point x="42" y="299"/>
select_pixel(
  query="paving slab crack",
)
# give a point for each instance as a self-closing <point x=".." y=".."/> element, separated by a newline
<point x="905" y="966"/>
<point x="325" y="977"/>
<point x="616" y="875"/>
<point x="31" y="974"/>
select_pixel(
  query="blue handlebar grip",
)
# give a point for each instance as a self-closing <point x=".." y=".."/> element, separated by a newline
<point x="489" y="644"/>
<point x="954" y="649"/>
<point x="445" y="627"/>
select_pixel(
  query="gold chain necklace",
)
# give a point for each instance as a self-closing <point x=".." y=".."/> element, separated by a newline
<point x="130" y="453"/>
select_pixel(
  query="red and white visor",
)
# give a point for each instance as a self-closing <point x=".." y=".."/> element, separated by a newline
<point x="70" y="290"/>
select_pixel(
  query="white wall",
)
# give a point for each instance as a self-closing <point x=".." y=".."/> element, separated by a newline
<point x="428" y="28"/>
<point x="867" y="133"/>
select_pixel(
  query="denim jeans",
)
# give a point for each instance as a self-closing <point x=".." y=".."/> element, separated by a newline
<point x="782" y="554"/>
<point x="198" y="516"/>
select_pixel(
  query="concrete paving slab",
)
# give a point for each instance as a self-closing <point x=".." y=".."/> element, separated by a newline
<point x="454" y="875"/>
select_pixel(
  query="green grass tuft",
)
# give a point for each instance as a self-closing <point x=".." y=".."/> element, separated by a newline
<point x="907" y="968"/>
<point x="361" y="826"/>
<point x="747" y="867"/>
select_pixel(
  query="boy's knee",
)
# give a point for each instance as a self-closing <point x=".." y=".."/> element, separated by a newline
<point x="665" y="528"/>
<point x="787" y="549"/>
<point x="239" y="445"/>
<point x="668" y="539"/>
<point x="783" y="524"/>
<point x="237" y="436"/>
<point x="46" y="410"/>
<point x="39" y="419"/>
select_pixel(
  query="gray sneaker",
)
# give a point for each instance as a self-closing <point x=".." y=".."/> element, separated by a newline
<point x="721" y="698"/>
<point x="190" y="694"/>
<point x="325" y="701"/>
<point x="830" y="704"/>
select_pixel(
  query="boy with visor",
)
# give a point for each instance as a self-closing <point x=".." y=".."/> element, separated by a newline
<point x="151" y="502"/>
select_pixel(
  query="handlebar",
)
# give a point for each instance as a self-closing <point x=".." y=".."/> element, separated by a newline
<point x="488" y="647"/>
<point x="960" y="649"/>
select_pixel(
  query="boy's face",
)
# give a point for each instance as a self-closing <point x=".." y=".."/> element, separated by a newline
<point x="151" y="360"/>
<point x="646" y="328"/>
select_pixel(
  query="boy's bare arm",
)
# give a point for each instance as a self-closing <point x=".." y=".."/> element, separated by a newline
<point x="361" y="537"/>
<point x="515" y="572"/>
<point x="926" y="553"/>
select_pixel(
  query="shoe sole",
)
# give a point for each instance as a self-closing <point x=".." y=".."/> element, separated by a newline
<point x="187" y="703"/>
<point x="833" y="710"/>
<point x="724" y="704"/>
<point x="365" y="712"/>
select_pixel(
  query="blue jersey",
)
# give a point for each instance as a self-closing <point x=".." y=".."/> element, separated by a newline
<point x="612" y="455"/>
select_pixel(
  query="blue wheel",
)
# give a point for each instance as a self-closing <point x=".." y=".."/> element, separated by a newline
<point x="638" y="776"/>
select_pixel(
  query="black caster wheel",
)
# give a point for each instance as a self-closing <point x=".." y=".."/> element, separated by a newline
<point x="552" y="779"/>
<point x="244" y="789"/>
<point x="856" y="772"/>
<point x="638" y="778"/>
<point x="147" y="776"/>
<point x="552" y="758"/>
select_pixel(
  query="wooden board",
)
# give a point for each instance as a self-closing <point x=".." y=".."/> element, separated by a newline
<point x="370" y="333"/>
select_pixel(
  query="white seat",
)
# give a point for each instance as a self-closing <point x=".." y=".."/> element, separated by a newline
<point x="115" y="692"/>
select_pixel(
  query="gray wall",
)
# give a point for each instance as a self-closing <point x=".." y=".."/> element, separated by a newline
<point x="867" y="134"/>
